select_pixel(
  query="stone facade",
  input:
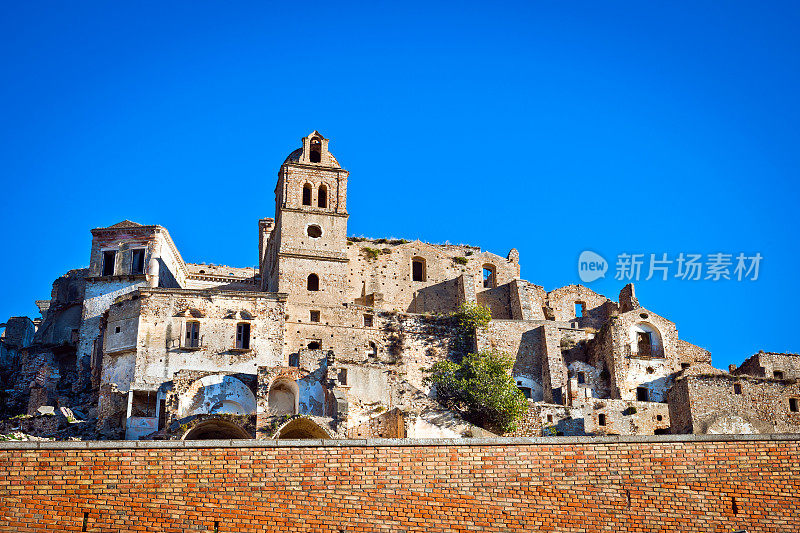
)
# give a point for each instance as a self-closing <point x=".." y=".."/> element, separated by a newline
<point x="330" y="335"/>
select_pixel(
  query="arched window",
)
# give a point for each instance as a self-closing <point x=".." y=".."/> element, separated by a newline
<point x="322" y="196"/>
<point x="315" y="345"/>
<point x="313" y="282"/>
<point x="418" y="269"/>
<point x="316" y="151"/>
<point x="488" y="276"/>
<point x="307" y="194"/>
<point x="372" y="351"/>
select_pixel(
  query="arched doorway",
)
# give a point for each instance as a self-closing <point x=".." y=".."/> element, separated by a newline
<point x="302" y="428"/>
<point x="216" y="428"/>
<point x="283" y="398"/>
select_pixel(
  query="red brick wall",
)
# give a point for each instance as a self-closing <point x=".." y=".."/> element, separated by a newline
<point x="566" y="484"/>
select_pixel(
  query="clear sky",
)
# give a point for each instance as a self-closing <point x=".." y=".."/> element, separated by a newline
<point x="552" y="127"/>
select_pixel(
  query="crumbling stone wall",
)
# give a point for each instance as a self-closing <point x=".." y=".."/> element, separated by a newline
<point x="722" y="403"/>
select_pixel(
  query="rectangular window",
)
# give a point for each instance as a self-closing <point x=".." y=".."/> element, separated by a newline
<point x="579" y="309"/>
<point x="343" y="376"/>
<point x="109" y="258"/>
<point x="526" y="391"/>
<point x="642" y="394"/>
<point x="793" y="407"/>
<point x="684" y="366"/>
<point x="192" y="335"/>
<point x="314" y="316"/>
<point x="368" y="321"/>
<point x="737" y="388"/>
<point x="243" y="336"/>
<point x="294" y="360"/>
<point x="550" y="418"/>
<point x="643" y="342"/>
<point x="581" y="378"/>
<point x="137" y="262"/>
<point x="777" y="374"/>
<point x="417" y="270"/>
<point x="601" y="419"/>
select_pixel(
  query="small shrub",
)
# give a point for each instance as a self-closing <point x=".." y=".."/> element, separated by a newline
<point x="460" y="260"/>
<point x="371" y="253"/>
<point x="481" y="387"/>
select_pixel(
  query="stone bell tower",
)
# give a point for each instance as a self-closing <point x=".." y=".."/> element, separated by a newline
<point x="308" y="245"/>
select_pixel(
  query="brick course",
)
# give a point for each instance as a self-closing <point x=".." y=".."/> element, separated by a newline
<point x="572" y="484"/>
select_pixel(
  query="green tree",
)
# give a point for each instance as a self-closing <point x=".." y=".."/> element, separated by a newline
<point x="470" y="317"/>
<point x="480" y="386"/>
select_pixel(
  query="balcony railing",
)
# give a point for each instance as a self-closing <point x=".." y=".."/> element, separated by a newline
<point x="645" y="352"/>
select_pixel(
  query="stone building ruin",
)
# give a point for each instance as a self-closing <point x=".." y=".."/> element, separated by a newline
<point x="329" y="336"/>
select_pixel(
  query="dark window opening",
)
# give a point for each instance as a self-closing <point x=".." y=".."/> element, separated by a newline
<point x="314" y="316"/>
<point x="550" y="419"/>
<point x="643" y="342"/>
<point x="307" y="194"/>
<point x="343" y="376"/>
<point x="737" y="388"/>
<point x="137" y="262"/>
<point x="642" y="394"/>
<point x="488" y="277"/>
<point x="659" y="418"/>
<point x="368" y="321"/>
<point x="526" y="391"/>
<point x="192" y="334"/>
<point x="314" y="231"/>
<point x="243" y="336"/>
<point x="117" y="329"/>
<point x="294" y="360"/>
<point x="684" y="366"/>
<point x="601" y="419"/>
<point x="793" y="407"/>
<point x="777" y="374"/>
<point x="162" y="414"/>
<point x="373" y="350"/>
<point x="322" y="196"/>
<point x="313" y="282"/>
<point x="315" y="345"/>
<point x="418" y="269"/>
<point x="581" y="378"/>
<point x="316" y="151"/>
<point x="109" y="258"/>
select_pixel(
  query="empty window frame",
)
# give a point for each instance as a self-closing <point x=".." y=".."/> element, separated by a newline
<point x="642" y="394"/>
<point x="322" y="196"/>
<point x="684" y="366"/>
<point x="368" y="321"/>
<point x="243" y="336"/>
<point x="488" y="276"/>
<point x="777" y="374"/>
<point x="579" y="309"/>
<point x="372" y="350"/>
<point x="109" y="260"/>
<point x="315" y="345"/>
<point x="418" y="269"/>
<point x="601" y="419"/>
<point x="316" y="151"/>
<point x="314" y="316"/>
<point x="307" y="194"/>
<point x="342" y="378"/>
<point x="581" y="378"/>
<point x="192" y="339"/>
<point x="643" y="343"/>
<point x="794" y="405"/>
<point x="312" y="283"/>
<point x="294" y="360"/>
<point x="137" y="261"/>
<point x="737" y="388"/>
<point x="314" y="231"/>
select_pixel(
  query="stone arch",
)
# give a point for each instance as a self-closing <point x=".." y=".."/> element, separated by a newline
<point x="216" y="428"/>
<point x="307" y="191"/>
<point x="283" y="397"/>
<point x="216" y="394"/>
<point x="639" y="333"/>
<point x="301" y="428"/>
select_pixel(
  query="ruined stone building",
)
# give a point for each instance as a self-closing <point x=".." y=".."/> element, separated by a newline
<point x="329" y="336"/>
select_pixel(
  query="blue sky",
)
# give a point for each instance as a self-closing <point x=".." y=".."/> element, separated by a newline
<point x="552" y="127"/>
